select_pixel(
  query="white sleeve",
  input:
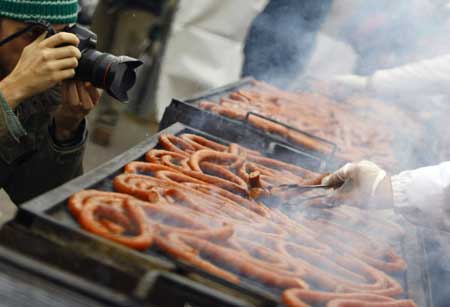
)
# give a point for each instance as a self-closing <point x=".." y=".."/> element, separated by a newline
<point x="426" y="77"/>
<point x="425" y="191"/>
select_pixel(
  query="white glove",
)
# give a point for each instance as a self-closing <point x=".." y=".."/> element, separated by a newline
<point x="363" y="184"/>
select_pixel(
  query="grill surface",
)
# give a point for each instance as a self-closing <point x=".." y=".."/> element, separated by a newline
<point x="414" y="149"/>
<point x="48" y="218"/>
<point x="26" y="282"/>
<point x="187" y="112"/>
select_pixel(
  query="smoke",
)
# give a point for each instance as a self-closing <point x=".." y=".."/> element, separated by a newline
<point x="437" y="254"/>
<point x="382" y="35"/>
<point x="279" y="42"/>
<point x="294" y="42"/>
<point x="362" y="37"/>
<point x="391" y="34"/>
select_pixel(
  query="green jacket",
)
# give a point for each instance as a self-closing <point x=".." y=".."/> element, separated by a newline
<point x="31" y="161"/>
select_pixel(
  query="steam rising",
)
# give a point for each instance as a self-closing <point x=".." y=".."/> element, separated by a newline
<point x="382" y="34"/>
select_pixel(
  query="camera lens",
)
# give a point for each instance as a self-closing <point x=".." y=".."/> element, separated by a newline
<point x="114" y="74"/>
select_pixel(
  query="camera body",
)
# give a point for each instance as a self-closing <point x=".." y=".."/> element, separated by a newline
<point x="116" y="75"/>
<point x="88" y="39"/>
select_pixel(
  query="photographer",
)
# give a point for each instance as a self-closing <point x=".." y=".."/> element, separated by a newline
<point x="42" y="110"/>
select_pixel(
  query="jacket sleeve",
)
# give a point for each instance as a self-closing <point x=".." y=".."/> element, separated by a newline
<point x="10" y="126"/>
<point x="424" y="194"/>
<point x="50" y="167"/>
<point x="51" y="164"/>
<point x="425" y="77"/>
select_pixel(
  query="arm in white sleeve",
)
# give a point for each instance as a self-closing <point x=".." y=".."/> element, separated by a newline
<point x="426" y="77"/>
<point x="425" y="192"/>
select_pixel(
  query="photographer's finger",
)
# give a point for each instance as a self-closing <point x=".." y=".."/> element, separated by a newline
<point x="40" y="38"/>
<point x="67" y="74"/>
<point x="86" y="101"/>
<point x="64" y="64"/>
<point x="93" y="92"/>
<point x="72" y="95"/>
<point x="64" y="75"/>
<point x="65" y="52"/>
<point x="59" y="39"/>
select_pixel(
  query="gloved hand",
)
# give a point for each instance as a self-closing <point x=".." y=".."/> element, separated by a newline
<point x="363" y="184"/>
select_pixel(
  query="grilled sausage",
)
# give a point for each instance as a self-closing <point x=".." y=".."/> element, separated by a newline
<point x="361" y="303"/>
<point x="142" y="240"/>
<point x="302" y="297"/>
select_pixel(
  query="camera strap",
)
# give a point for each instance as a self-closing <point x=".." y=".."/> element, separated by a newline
<point x="15" y="35"/>
<point x="31" y="24"/>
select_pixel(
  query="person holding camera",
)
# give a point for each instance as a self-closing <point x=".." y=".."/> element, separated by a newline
<point x="42" y="108"/>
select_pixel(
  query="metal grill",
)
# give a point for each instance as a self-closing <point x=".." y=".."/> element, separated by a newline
<point x="187" y="112"/>
<point x="49" y="217"/>
<point x="50" y="234"/>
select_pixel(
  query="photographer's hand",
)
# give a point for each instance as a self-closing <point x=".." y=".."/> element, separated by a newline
<point x="41" y="66"/>
<point x="79" y="98"/>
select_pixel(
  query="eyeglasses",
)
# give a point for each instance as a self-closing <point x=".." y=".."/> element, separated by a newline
<point x="34" y="29"/>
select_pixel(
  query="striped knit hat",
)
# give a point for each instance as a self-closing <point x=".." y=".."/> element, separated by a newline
<point x="52" y="11"/>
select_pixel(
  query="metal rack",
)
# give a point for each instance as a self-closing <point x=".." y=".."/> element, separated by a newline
<point x="45" y="231"/>
<point x="57" y="237"/>
<point x="186" y="111"/>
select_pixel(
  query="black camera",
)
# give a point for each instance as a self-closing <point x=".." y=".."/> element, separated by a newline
<point x="116" y="75"/>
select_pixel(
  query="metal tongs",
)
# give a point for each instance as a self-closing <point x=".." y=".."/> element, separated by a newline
<point x="273" y="195"/>
<point x="298" y="198"/>
<point x="297" y="187"/>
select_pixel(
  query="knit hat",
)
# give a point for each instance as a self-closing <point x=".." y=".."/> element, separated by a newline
<point x="52" y="11"/>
